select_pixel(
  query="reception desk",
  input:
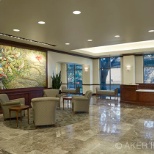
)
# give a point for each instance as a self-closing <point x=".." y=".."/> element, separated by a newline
<point x="139" y="94"/>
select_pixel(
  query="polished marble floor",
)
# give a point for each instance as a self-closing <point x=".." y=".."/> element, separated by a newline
<point x="110" y="128"/>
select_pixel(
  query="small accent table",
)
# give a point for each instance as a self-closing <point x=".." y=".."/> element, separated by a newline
<point x="18" y="110"/>
<point x="66" y="98"/>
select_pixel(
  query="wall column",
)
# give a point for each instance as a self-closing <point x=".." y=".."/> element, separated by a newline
<point x="128" y="72"/>
<point x="64" y="73"/>
<point x="96" y="74"/>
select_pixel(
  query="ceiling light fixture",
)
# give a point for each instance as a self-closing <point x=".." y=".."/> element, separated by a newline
<point x="41" y="22"/>
<point x="90" y="40"/>
<point x="16" y="30"/>
<point x="76" y="12"/>
<point x="117" y="36"/>
<point x="151" y="31"/>
<point x="67" y="43"/>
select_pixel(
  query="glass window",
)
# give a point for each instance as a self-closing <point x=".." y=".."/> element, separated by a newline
<point x="149" y="60"/>
<point x="115" y="76"/>
<point x="148" y="68"/>
<point x="70" y="66"/>
<point x="74" y="76"/>
<point x="105" y="62"/>
<point x="110" y="73"/>
<point x="115" y="62"/>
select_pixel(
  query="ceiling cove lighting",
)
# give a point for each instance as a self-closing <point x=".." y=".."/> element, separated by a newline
<point x="89" y="40"/>
<point x="28" y="40"/>
<point x="41" y="22"/>
<point x="117" y="36"/>
<point x="67" y="43"/>
<point x="142" y="45"/>
<point x="76" y="12"/>
<point x="16" y="30"/>
<point x="151" y="31"/>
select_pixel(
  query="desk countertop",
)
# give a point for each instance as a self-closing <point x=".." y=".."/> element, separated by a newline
<point x="145" y="90"/>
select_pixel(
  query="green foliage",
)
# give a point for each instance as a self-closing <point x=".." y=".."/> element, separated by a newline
<point x="56" y="80"/>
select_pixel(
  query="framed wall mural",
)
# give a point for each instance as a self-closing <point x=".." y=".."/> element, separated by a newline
<point x="22" y="68"/>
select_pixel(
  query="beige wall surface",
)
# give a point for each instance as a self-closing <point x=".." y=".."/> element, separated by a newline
<point x="96" y="74"/>
<point x="139" y="69"/>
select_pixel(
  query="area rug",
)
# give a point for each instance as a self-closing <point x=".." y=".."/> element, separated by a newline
<point x="63" y="118"/>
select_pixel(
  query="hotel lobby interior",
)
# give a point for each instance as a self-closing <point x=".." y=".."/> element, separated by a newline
<point x="102" y="45"/>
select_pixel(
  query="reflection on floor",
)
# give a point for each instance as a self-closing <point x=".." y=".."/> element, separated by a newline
<point x="110" y="128"/>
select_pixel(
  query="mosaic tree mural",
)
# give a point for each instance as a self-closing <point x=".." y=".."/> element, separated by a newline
<point x="22" y="68"/>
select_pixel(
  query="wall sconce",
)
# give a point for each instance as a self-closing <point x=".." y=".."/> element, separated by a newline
<point x="86" y="68"/>
<point x="128" y="67"/>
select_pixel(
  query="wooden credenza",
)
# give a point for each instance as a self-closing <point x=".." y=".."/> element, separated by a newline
<point x="140" y="94"/>
<point x="27" y="93"/>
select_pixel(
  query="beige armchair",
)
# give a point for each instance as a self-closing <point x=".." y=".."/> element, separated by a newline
<point x="6" y="103"/>
<point x="52" y="93"/>
<point x="44" y="110"/>
<point x="81" y="103"/>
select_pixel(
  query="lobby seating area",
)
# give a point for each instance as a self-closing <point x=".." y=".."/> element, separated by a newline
<point x="6" y="103"/>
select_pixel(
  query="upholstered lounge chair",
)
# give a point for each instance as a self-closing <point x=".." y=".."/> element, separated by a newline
<point x="52" y="93"/>
<point x="113" y="93"/>
<point x="81" y="103"/>
<point x="70" y="91"/>
<point x="44" y="109"/>
<point x="6" y="103"/>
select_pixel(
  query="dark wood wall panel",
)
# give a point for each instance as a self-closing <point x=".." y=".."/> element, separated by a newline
<point x="27" y="93"/>
<point x="145" y="86"/>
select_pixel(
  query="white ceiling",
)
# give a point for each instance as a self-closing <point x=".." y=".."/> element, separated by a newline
<point x="100" y="20"/>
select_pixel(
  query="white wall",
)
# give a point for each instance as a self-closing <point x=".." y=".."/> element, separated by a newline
<point x="54" y="58"/>
<point x="128" y="76"/>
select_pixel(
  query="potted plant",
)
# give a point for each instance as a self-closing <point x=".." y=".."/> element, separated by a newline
<point x="56" y="80"/>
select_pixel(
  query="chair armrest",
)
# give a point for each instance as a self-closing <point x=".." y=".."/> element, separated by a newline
<point x="10" y="103"/>
<point x="21" y="100"/>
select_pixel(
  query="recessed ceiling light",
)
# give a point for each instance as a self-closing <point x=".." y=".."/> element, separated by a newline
<point x="67" y="43"/>
<point x="90" y="40"/>
<point x="16" y="30"/>
<point x="151" y="31"/>
<point x="76" y="12"/>
<point x="117" y="36"/>
<point x="41" y="22"/>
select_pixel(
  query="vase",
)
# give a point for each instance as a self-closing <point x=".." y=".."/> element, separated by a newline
<point x="1" y="84"/>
